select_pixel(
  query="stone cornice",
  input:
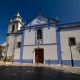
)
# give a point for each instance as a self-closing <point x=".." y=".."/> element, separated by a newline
<point x="76" y="24"/>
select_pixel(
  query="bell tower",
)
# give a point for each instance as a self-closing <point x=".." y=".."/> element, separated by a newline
<point x="15" y="24"/>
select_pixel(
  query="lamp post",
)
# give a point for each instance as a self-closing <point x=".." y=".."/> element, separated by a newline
<point x="71" y="54"/>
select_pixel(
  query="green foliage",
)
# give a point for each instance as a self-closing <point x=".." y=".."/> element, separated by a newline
<point x="78" y="47"/>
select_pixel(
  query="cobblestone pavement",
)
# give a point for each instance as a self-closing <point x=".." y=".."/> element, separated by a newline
<point x="38" y="72"/>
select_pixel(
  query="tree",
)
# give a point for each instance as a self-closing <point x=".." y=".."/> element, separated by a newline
<point x="78" y="47"/>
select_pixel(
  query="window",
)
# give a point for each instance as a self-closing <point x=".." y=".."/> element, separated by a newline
<point x="18" y="44"/>
<point x="72" y="40"/>
<point x="13" y="28"/>
<point x="39" y="34"/>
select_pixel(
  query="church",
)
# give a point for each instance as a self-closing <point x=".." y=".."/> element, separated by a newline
<point x="42" y="40"/>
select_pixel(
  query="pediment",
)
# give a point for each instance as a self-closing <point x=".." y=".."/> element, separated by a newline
<point x="39" y="20"/>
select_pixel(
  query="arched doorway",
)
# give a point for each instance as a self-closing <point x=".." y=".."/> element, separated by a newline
<point x="39" y="55"/>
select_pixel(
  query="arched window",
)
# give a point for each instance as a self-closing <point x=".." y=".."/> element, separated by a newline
<point x="39" y="34"/>
<point x="13" y="27"/>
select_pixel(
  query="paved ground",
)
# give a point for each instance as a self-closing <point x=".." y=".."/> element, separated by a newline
<point x="38" y="72"/>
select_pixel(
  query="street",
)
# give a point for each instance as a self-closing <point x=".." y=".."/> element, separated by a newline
<point x="39" y="73"/>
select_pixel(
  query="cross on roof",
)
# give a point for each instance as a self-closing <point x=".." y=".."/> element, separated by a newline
<point x="39" y="11"/>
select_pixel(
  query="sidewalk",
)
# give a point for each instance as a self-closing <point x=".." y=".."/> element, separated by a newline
<point x="34" y="64"/>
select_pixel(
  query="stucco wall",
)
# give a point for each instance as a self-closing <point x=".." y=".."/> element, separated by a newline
<point x="49" y="35"/>
<point x="10" y="47"/>
<point x="17" y="50"/>
<point x="50" y="52"/>
<point x="17" y="53"/>
<point x="19" y="26"/>
<point x="19" y="37"/>
<point x="29" y="37"/>
<point x="65" y="49"/>
<point x="10" y="27"/>
<point x="27" y="52"/>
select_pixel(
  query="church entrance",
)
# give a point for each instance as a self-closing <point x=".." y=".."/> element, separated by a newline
<point x="39" y="55"/>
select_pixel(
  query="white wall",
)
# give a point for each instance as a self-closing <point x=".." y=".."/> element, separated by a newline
<point x="9" y="28"/>
<point x="17" y="50"/>
<point x="50" y="52"/>
<point x="19" y="26"/>
<point x="49" y="35"/>
<point x="19" y="37"/>
<point x="10" y="42"/>
<point x="65" y="49"/>
<point x="17" y="53"/>
<point x="29" y="37"/>
<point x="27" y="52"/>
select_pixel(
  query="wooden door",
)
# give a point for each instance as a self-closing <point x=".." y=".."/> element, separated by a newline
<point x="39" y="55"/>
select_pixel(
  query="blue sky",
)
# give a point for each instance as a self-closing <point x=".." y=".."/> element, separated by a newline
<point x="66" y="10"/>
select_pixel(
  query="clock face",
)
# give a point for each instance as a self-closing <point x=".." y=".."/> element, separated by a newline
<point x="39" y="19"/>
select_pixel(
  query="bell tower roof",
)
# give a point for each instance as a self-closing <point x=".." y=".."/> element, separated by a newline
<point x="17" y="17"/>
<point x="18" y="14"/>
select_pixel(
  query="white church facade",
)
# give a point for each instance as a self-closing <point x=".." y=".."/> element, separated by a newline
<point x="43" y="40"/>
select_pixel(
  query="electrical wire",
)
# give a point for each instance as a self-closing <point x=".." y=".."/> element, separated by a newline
<point x="2" y="34"/>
